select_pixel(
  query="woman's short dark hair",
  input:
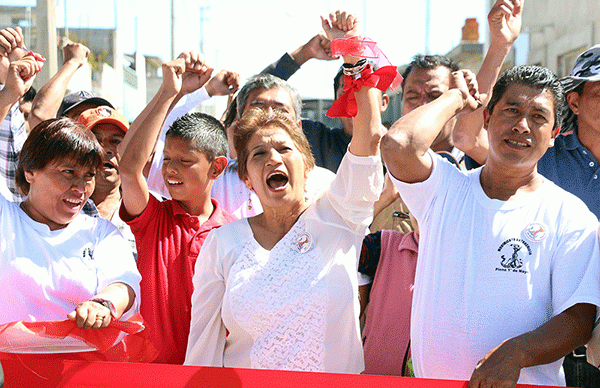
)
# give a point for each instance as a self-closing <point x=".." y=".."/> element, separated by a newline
<point x="256" y="119"/>
<point x="55" y="140"/>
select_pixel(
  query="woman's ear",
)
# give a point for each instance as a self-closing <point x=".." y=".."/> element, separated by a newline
<point x="247" y="182"/>
<point x="29" y="176"/>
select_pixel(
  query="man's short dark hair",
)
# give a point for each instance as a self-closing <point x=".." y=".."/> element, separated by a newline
<point x="535" y="76"/>
<point x="205" y="132"/>
<point x="428" y="62"/>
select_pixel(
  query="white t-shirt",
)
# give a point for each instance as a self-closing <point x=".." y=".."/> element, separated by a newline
<point x="234" y="196"/>
<point x="490" y="270"/>
<point x="296" y="306"/>
<point x="45" y="274"/>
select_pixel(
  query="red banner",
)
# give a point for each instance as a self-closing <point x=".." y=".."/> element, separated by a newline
<point x="42" y="371"/>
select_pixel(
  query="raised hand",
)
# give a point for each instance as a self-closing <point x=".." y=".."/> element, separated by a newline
<point x="466" y="82"/>
<point x="76" y="53"/>
<point x="21" y="74"/>
<point x="172" y="74"/>
<point x="12" y="43"/>
<point x="340" y="25"/>
<point x="505" y="21"/>
<point x="226" y="82"/>
<point x="319" y="47"/>
<point x="197" y="72"/>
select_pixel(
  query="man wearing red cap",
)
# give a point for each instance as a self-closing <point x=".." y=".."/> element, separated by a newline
<point x="110" y="127"/>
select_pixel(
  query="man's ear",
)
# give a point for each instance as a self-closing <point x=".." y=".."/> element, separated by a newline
<point x="486" y="118"/>
<point x="385" y="102"/>
<point x="300" y="124"/>
<point x="218" y="166"/>
<point x="573" y="101"/>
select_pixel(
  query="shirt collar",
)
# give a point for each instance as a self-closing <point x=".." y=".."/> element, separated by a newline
<point x="571" y="138"/>
<point x="410" y="242"/>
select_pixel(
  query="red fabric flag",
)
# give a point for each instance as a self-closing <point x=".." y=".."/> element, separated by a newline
<point x="345" y="106"/>
<point x="123" y="341"/>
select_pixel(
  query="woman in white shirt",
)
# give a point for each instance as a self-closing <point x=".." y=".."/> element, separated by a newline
<point x="279" y="290"/>
<point x="57" y="263"/>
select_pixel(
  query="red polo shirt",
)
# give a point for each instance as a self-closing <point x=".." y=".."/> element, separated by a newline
<point x="168" y="241"/>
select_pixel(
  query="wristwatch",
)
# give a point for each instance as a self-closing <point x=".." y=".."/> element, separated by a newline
<point x="106" y="303"/>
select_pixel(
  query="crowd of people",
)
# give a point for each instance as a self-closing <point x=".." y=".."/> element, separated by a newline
<point x="244" y="242"/>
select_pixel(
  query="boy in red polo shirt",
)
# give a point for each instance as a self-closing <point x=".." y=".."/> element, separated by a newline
<point x="169" y="234"/>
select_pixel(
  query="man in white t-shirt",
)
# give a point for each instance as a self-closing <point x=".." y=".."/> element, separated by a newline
<point x="507" y="279"/>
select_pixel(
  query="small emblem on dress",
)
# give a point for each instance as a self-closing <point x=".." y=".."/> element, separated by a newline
<point x="304" y="242"/>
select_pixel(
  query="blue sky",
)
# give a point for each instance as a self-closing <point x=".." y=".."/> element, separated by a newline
<point x="245" y="36"/>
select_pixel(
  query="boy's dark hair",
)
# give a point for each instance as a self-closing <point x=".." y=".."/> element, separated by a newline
<point x="29" y="95"/>
<point x="428" y="62"/>
<point x="205" y="132"/>
<point x="55" y="140"/>
<point x="535" y="76"/>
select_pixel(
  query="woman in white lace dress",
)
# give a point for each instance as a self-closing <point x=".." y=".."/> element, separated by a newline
<point x="279" y="290"/>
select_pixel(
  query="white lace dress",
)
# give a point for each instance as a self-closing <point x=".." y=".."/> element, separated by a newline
<point x="294" y="307"/>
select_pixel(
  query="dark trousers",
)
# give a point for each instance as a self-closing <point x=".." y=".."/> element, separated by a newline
<point x="578" y="372"/>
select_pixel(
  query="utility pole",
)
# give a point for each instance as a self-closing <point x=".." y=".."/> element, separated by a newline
<point x="46" y="35"/>
<point x="202" y="19"/>
<point x="427" y="25"/>
<point x="172" y="30"/>
<point x="66" y="21"/>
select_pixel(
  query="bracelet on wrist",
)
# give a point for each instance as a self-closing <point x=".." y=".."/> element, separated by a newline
<point x="106" y="303"/>
<point x="354" y="70"/>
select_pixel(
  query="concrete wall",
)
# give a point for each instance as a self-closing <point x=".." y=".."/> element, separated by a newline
<point x="558" y="31"/>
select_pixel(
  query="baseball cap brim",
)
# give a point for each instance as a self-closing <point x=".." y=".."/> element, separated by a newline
<point x="97" y="101"/>
<point x="570" y="82"/>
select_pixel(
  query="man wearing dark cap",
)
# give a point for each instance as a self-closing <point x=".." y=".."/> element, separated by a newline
<point x="75" y="103"/>
<point x="573" y="161"/>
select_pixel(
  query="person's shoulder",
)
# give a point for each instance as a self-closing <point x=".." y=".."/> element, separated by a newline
<point x="96" y="226"/>
<point x="568" y="204"/>
<point x="232" y="236"/>
<point x="321" y="174"/>
<point x="221" y="215"/>
<point x="311" y="125"/>
<point x="235" y="230"/>
<point x="446" y="167"/>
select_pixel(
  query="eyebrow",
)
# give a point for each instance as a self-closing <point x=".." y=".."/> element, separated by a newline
<point x="256" y="146"/>
<point x="536" y="108"/>
<point x="274" y="102"/>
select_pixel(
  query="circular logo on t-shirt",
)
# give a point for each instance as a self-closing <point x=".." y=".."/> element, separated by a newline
<point x="304" y="242"/>
<point x="536" y="232"/>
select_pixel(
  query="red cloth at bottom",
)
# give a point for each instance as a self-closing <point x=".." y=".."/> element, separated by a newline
<point x="124" y="341"/>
